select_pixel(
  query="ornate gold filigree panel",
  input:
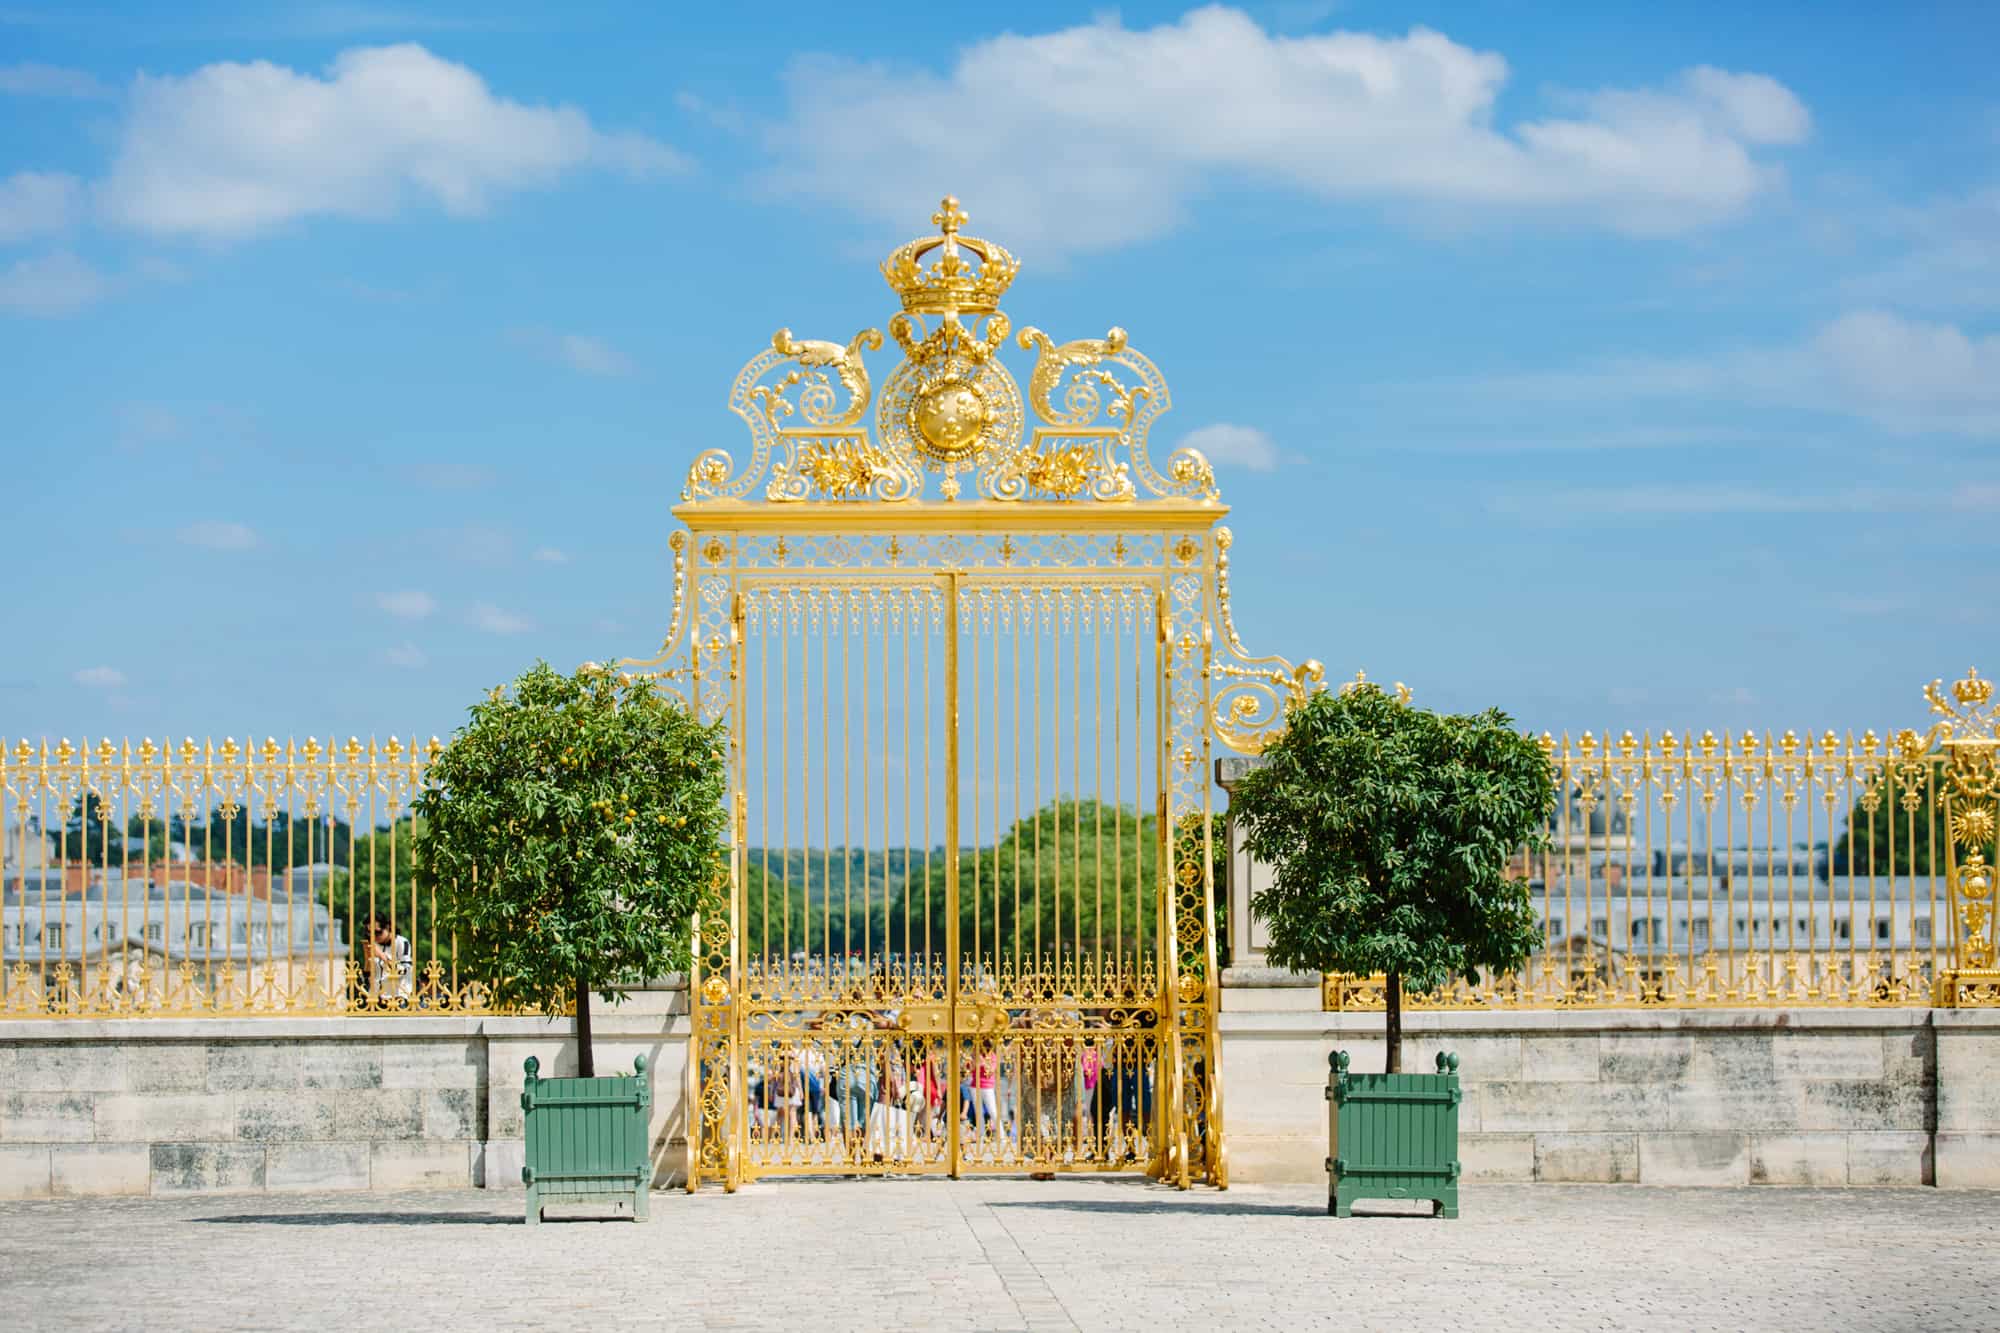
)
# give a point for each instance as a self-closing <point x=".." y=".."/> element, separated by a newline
<point x="968" y="640"/>
<point x="950" y="407"/>
<point x="1969" y="736"/>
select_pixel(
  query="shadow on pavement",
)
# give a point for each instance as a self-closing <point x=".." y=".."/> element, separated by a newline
<point x="371" y="1219"/>
<point x="1135" y="1206"/>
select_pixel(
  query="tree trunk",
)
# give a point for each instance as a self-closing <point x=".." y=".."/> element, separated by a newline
<point x="1392" y="1001"/>
<point x="586" y="1067"/>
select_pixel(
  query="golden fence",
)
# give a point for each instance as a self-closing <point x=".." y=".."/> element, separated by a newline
<point x="218" y="878"/>
<point x="1760" y="870"/>
<point x="1683" y="870"/>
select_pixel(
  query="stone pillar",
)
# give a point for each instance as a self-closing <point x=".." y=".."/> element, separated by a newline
<point x="1247" y="937"/>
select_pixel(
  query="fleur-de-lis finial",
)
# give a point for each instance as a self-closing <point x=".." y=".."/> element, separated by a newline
<point x="949" y="217"/>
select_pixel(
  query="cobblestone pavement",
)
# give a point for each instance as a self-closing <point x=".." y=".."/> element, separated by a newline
<point x="1012" y="1254"/>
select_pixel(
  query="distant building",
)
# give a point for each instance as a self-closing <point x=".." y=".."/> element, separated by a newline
<point x="132" y="940"/>
<point x="24" y="846"/>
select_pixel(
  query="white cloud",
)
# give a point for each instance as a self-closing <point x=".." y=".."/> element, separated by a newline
<point x="580" y="352"/>
<point x="32" y="80"/>
<point x="1658" y="500"/>
<point x="1727" y="499"/>
<point x="52" y="284"/>
<point x="549" y="555"/>
<point x="407" y="605"/>
<point x="33" y="203"/>
<point x="592" y="356"/>
<point x="219" y="535"/>
<point x="1756" y="107"/>
<point x="488" y="617"/>
<point x="1907" y="375"/>
<point x="99" y="677"/>
<point x="233" y="148"/>
<point x="1227" y="445"/>
<point x="405" y="655"/>
<point x="1948" y="254"/>
<point x="1098" y="135"/>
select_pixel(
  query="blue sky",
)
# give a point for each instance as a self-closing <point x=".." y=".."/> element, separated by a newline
<point x="1622" y="366"/>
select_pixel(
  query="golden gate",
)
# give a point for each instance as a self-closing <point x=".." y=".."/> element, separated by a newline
<point x="974" y="663"/>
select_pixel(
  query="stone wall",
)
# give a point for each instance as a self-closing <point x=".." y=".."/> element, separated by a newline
<point x="173" y="1106"/>
<point x="1800" y="1096"/>
<point x="1671" y="1097"/>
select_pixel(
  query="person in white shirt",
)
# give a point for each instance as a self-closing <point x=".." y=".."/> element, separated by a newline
<point x="392" y="972"/>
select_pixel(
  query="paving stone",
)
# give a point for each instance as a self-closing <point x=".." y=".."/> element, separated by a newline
<point x="1089" y="1253"/>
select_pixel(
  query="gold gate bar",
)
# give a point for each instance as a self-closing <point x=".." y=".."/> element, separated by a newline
<point x="951" y="942"/>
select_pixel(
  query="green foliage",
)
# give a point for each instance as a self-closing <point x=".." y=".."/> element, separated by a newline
<point x="91" y="835"/>
<point x="280" y="842"/>
<point x="1897" y="837"/>
<point x="569" y="830"/>
<point x="1073" y="875"/>
<point x="386" y="879"/>
<point x="826" y="901"/>
<point x="1389" y="829"/>
<point x="1069" y="876"/>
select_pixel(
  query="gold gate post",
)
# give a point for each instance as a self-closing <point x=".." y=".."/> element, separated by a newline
<point x="951" y="940"/>
<point x="1969" y="735"/>
<point x="1167" y="932"/>
<point x="736" y="1115"/>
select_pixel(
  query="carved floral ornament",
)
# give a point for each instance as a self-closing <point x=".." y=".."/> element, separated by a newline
<point x="1969" y="736"/>
<point x="950" y="407"/>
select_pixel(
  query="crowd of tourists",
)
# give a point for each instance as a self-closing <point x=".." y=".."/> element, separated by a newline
<point x="855" y="1087"/>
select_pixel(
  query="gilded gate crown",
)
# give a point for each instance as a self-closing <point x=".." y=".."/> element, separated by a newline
<point x="823" y="428"/>
<point x="952" y="283"/>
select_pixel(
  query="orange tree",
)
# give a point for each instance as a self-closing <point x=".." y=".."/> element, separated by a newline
<point x="569" y="827"/>
<point x="1389" y="829"/>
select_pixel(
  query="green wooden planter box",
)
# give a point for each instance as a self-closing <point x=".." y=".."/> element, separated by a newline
<point x="1392" y="1136"/>
<point x="587" y="1139"/>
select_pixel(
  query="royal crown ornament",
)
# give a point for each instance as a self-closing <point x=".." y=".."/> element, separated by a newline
<point x="949" y="415"/>
<point x="952" y="285"/>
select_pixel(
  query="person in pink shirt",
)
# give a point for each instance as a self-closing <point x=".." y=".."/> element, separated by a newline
<point x="982" y="1102"/>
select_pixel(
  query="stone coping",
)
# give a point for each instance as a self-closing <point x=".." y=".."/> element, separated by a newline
<point x="1273" y="977"/>
<point x="605" y="1024"/>
<point x="1278" y="1022"/>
